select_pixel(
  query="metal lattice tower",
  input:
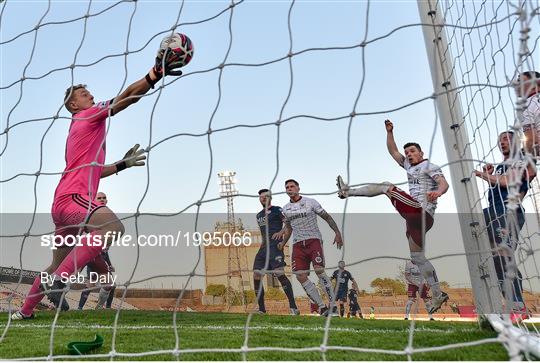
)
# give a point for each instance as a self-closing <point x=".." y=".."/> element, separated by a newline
<point x="227" y="189"/>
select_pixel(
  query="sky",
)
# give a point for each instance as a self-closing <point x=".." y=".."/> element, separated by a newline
<point x="116" y="46"/>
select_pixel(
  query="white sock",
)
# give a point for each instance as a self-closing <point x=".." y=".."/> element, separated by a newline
<point x="410" y="303"/>
<point x="370" y="190"/>
<point x="328" y="288"/>
<point x="311" y="291"/>
<point x="102" y="299"/>
<point x="427" y="270"/>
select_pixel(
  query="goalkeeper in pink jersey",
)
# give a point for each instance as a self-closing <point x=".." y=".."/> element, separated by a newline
<point x="74" y="202"/>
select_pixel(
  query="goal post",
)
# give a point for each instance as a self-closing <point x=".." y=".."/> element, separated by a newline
<point x="454" y="132"/>
<point x="484" y="281"/>
<point x="269" y="95"/>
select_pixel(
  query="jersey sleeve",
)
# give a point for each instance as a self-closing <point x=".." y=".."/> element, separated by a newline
<point x="95" y="114"/>
<point x="316" y="207"/>
<point x="434" y="171"/>
<point x="284" y="217"/>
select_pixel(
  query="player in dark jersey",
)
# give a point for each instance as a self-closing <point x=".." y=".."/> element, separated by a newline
<point x="354" y="307"/>
<point x="106" y="292"/>
<point x="503" y="235"/>
<point x="269" y="258"/>
<point x="342" y="277"/>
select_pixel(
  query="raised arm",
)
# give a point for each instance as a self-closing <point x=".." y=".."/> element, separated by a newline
<point x="134" y="92"/>
<point x="391" y="143"/>
<point x="166" y="63"/>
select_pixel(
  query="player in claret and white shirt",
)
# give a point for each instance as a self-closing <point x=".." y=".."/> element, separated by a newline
<point x="426" y="185"/>
<point x="415" y="283"/>
<point x="300" y="219"/>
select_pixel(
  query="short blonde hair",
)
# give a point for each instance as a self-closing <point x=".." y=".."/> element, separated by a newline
<point x="68" y="96"/>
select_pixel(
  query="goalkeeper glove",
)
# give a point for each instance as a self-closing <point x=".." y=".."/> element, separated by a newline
<point x="171" y="64"/>
<point x="134" y="157"/>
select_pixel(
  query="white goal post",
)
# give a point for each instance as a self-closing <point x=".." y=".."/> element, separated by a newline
<point x="486" y="291"/>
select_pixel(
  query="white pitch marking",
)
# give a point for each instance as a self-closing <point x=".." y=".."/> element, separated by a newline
<point x="235" y="327"/>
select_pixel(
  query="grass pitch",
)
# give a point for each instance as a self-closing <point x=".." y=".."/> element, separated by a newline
<point x="151" y="331"/>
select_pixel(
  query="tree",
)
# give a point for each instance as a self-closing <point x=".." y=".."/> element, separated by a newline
<point x="216" y="290"/>
<point x="274" y="293"/>
<point x="381" y="285"/>
<point x="444" y="285"/>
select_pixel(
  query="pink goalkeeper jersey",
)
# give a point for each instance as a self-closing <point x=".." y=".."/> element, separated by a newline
<point x="85" y="144"/>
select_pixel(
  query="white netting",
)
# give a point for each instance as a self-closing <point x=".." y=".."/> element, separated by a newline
<point x="272" y="74"/>
<point x="490" y="108"/>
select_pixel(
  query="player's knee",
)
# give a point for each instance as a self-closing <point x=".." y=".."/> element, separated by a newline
<point x="114" y="231"/>
<point x="415" y="242"/>
<point x="119" y="228"/>
<point x="302" y="277"/>
<point x="319" y="270"/>
<point x="389" y="186"/>
<point x="418" y="258"/>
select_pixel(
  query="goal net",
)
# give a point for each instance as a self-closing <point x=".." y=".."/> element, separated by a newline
<point x="275" y="91"/>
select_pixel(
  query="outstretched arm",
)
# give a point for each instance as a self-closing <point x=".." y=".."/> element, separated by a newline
<point x="493" y="180"/>
<point x="165" y="64"/>
<point x="134" y="157"/>
<point x="529" y="173"/>
<point x="134" y="92"/>
<point x="391" y="143"/>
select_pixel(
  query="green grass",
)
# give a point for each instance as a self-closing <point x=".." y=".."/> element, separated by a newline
<point x="141" y="331"/>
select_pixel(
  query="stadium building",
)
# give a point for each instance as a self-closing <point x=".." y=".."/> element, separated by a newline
<point x="233" y="266"/>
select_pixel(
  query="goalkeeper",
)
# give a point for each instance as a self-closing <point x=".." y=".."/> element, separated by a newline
<point x="73" y="203"/>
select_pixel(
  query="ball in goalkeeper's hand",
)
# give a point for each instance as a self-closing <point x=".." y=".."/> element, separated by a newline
<point x="177" y="49"/>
